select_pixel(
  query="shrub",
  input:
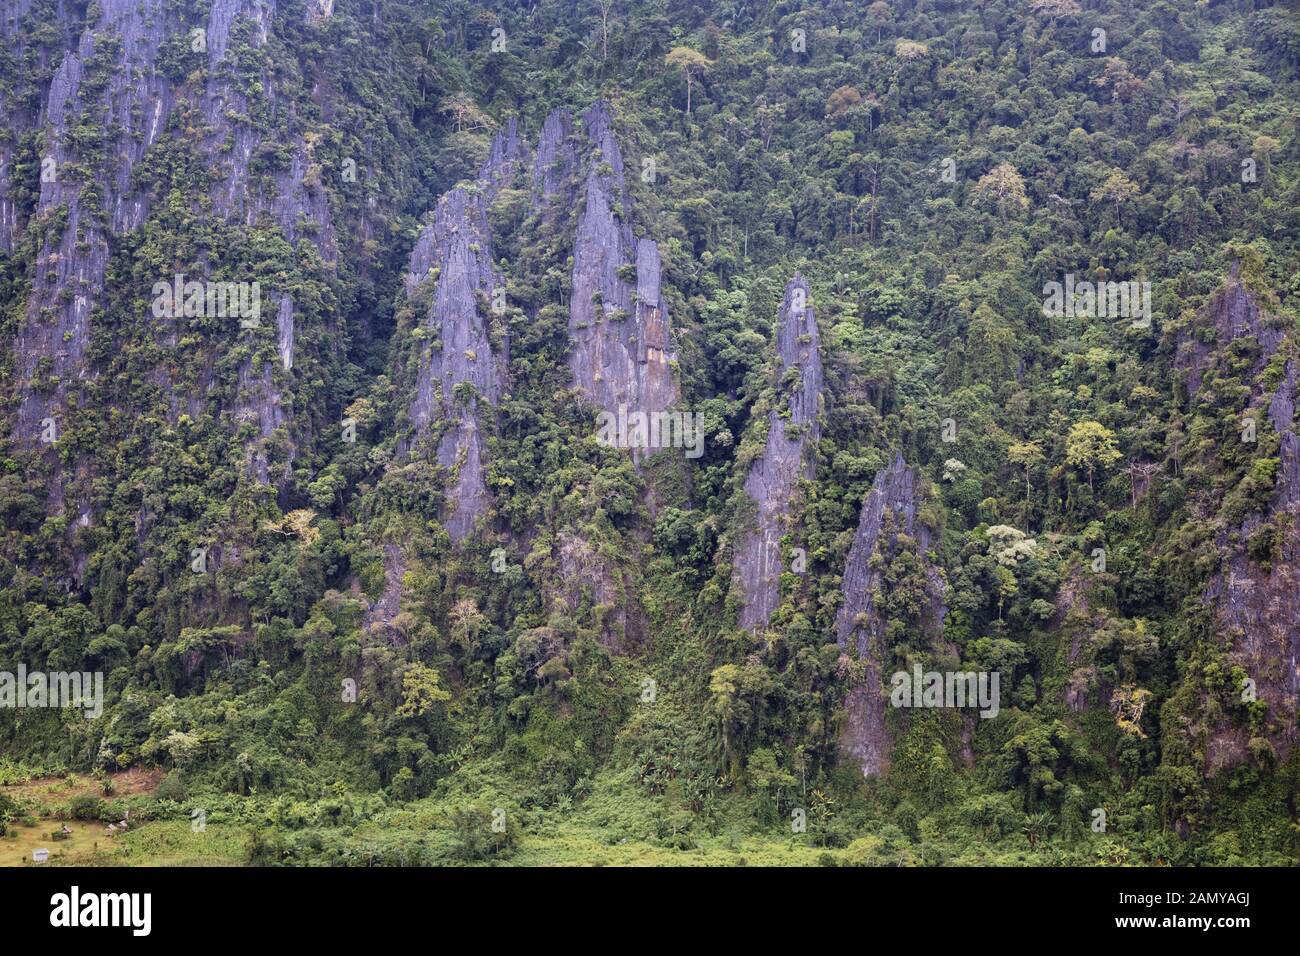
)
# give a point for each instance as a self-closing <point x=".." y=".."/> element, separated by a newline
<point x="87" y="806"/>
<point x="171" y="788"/>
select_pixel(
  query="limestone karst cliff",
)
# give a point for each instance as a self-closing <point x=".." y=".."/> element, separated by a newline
<point x="792" y="433"/>
<point x="375" y="554"/>
<point x="622" y="349"/>
<point x="111" y="74"/>
<point x="461" y="371"/>
<point x="115" y="76"/>
<point x="889" y="513"/>
<point x="1253" y="595"/>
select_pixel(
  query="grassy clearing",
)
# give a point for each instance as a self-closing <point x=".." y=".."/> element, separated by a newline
<point x="86" y="843"/>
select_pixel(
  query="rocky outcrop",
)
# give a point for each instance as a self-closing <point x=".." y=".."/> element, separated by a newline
<point x="1281" y="415"/>
<point x="380" y="613"/>
<point x="597" y="587"/>
<point x="1233" y="314"/>
<point x="888" y="512"/>
<point x="301" y="209"/>
<point x="51" y="346"/>
<point x="460" y="369"/>
<point x="17" y="120"/>
<point x="622" y="356"/>
<point x="135" y="104"/>
<point x="284" y="332"/>
<point x="259" y="401"/>
<point x="139" y="102"/>
<point x="55" y="332"/>
<point x="231" y="142"/>
<point x="556" y="159"/>
<point x="8" y="204"/>
<point x="619" y="325"/>
<point x="1258" y="603"/>
<point x="773" y="478"/>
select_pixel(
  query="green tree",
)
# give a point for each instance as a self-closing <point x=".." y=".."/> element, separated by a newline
<point x="691" y="64"/>
<point x="1027" y="455"/>
<point x="422" y="691"/>
<point x="1003" y="189"/>
<point x="1090" y="445"/>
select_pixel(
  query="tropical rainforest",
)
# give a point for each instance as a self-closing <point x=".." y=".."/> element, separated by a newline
<point x="311" y="310"/>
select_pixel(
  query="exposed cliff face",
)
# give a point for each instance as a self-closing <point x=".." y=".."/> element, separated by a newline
<point x="133" y="100"/>
<point x="8" y="204"/>
<point x="70" y="268"/>
<point x="461" y="369"/>
<point x="773" y="478"/>
<point x="379" y="615"/>
<point x="55" y="331"/>
<point x="556" y="159"/>
<point x="302" y="211"/>
<point x="621" y="338"/>
<point x="1234" y="314"/>
<point x="596" y="587"/>
<point x="621" y="347"/>
<point x="889" y="510"/>
<point x="139" y="101"/>
<point x="231" y="143"/>
<point x="17" y="119"/>
<point x="260" y="402"/>
<point x="1258" y="604"/>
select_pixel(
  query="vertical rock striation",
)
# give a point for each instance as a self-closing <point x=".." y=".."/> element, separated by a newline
<point x="621" y="359"/>
<point x="139" y="102"/>
<point x="17" y="120"/>
<point x="134" y="105"/>
<point x="556" y="159"/>
<point x="619" y="326"/>
<point x="1259" y="604"/>
<point x="774" y="476"/>
<point x="462" y="369"/>
<point x="51" y="346"/>
<point x="55" y="332"/>
<point x="301" y="210"/>
<point x="889" y="510"/>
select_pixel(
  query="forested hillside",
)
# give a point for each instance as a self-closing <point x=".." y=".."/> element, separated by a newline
<point x="977" y="324"/>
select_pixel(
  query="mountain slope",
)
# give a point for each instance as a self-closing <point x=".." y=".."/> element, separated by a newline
<point x="319" y="319"/>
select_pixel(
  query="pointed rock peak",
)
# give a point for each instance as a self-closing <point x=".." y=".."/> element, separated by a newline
<point x="1234" y="309"/>
<point x="599" y="122"/>
<point x="457" y="222"/>
<point x="599" y="113"/>
<point x="894" y="491"/>
<point x="798" y="344"/>
<point x="773" y="479"/>
<point x="865" y="737"/>
<point x="457" y="242"/>
<point x="1235" y="313"/>
<point x="454" y="209"/>
<point x="898" y="483"/>
<point x="507" y="151"/>
<point x="622" y="353"/>
<point x="796" y="312"/>
<point x="555" y="157"/>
